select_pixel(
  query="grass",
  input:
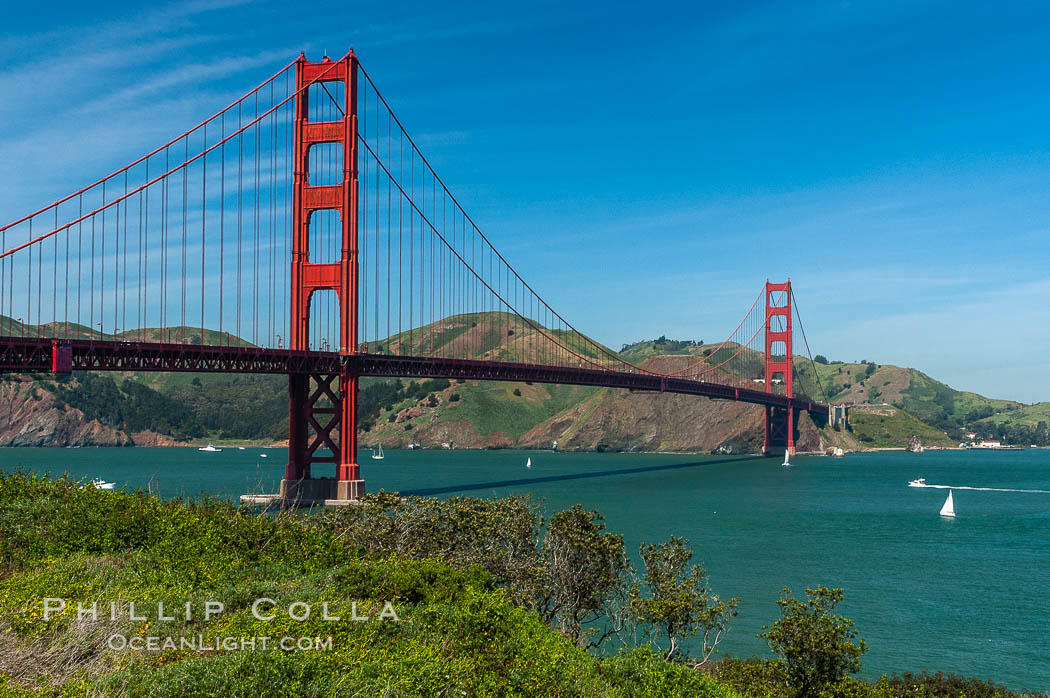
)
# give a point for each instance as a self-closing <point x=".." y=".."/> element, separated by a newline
<point x="589" y="406"/>
<point x="492" y="406"/>
<point x="890" y="428"/>
<point x="966" y="402"/>
<point x="1029" y="415"/>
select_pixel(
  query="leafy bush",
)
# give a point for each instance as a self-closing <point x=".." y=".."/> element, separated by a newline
<point x="815" y="646"/>
<point x="941" y="685"/>
<point x="681" y="603"/>
<point x="753" y="676"/>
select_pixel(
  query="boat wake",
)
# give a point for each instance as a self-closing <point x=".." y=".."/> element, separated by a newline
<point x="980" y="489"/>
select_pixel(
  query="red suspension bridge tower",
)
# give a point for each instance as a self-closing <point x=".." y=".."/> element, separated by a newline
<point x="779" y="367"/>
<point x="322" y="407"/>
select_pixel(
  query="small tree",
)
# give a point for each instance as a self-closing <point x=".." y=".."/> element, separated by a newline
<point x="586" y="573"/>
<point x="681" y="604"/>
<point x="821" y="359"/>
<point x="815" y="646"/>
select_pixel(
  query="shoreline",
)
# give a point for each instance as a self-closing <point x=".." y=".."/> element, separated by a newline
<point x="232" y="444"/>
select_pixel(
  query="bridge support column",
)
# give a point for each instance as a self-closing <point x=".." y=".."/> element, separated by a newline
<point x="323" y="408"/>
<point x="349" y="484"/>
<point x="322" y="428"/>
<point x="298" y="434"/>
<point x="781" y="427"/>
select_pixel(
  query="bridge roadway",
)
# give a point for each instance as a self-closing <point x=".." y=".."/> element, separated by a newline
<point x="37" y="355"/>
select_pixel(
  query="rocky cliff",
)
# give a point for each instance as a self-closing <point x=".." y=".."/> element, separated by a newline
<point x="32" y="416"/>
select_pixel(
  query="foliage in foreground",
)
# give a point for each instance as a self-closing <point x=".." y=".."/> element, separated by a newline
<point x="757" y="677"/>
<point x="577" y="576"/>
<point x="458" y="634"/>
<point x="469" y="579"/>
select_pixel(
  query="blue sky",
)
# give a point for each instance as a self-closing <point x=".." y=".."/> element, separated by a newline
<point x="645" y="167"/>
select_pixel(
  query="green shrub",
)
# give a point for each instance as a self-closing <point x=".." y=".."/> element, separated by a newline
<point x="815" y="646"/>
<point x="643" y="673"/>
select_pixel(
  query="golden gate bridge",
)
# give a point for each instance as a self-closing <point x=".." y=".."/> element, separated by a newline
<point x="301" y="231"/>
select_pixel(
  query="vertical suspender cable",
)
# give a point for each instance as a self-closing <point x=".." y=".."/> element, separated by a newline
<point x="222" y="218"/>
<point x="139" y="316"/>
<point x="91" y="296"/>
<point x="164" y="199"/>
<point x="185" y="202"/>
<point x="255" y="230"/>
<point x="124" y="264"/>
<point x="273" y="218"/>
<point x="390" y="332"/>
<point x="411" y="247"/>
<point x="240" y="213"/>
<point x="288" y="188"/>
<point x="102" y="271"/>
<point x="363" y="216"/>
<point x="204" y="223"/>
<point x="65" y="285"/>
<point x="80" y="256"/>
<point x="400" y="240"/>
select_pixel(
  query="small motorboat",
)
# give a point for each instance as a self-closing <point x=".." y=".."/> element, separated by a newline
<point x="263" y="455"/>
<point x="100" y="484"/>
<point x="240" y="448"/>
<point x="948" y="509"/>
<point x="920" y="482"/>
<point x="209" y="449"/>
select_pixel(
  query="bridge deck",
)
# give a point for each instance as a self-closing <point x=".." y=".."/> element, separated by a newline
<point x="34" y="355"/>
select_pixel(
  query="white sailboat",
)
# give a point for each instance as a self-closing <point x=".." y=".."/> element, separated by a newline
<point x="787" y="458"/>
<point x="528" y="463"/>
<point x="378" y="455"/>
<point x="949" y="506"/>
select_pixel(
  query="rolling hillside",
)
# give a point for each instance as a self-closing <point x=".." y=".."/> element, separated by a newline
<point x="937" y="405"/>
<point x="163" y="408"/>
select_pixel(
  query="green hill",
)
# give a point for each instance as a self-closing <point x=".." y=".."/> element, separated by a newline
<point x="662" y="346"/>
<point x="136" y="407"/>
<point x="934" y="403"/>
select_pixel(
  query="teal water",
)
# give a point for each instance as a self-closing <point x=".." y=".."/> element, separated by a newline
<point x="967" y="595"/>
